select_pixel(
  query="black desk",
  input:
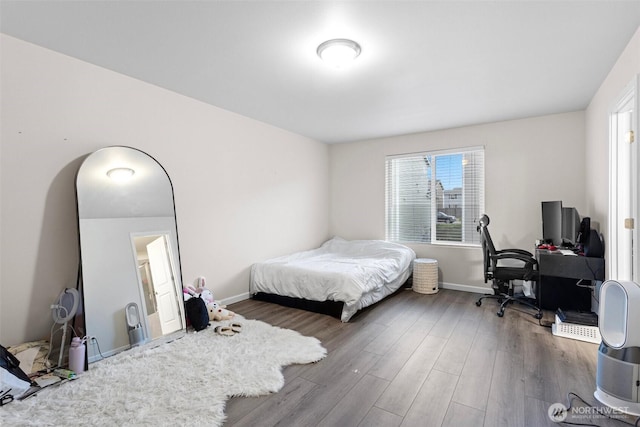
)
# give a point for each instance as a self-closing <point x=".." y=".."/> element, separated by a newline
<point x="558" y="276"/>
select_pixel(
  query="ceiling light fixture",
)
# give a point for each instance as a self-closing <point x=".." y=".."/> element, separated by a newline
<point x="338" y="52"/>
<point x="120" y="174"/>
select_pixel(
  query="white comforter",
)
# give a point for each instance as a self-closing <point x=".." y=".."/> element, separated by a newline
<point x="356" y="272"/>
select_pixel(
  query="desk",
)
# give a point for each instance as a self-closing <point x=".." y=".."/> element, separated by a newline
<point x="558" y="275"/>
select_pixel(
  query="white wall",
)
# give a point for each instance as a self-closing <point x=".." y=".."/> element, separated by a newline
<point x="245" y="191"/>
<point x="526" y="161"/>
<point x="597" y="134"/>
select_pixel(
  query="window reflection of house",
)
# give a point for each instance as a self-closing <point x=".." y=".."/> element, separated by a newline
<point x="453" y="202"/>
<point x="440" y="192"/>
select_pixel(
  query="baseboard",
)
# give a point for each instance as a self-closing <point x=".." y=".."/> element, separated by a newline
<point x="466" y="288"/>
<point x="236" y="298"/>
<point x="96" y="356"/>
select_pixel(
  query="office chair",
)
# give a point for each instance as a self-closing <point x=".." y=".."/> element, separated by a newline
<point x="503" y="276"/>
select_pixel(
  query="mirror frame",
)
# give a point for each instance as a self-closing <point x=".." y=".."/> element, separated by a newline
<point x="128" y="221"/>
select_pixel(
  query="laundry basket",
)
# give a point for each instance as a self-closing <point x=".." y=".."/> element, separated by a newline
<point x="425" y="276"/>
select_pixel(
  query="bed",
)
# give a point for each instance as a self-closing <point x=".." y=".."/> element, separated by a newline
<point x="351" y="273"/>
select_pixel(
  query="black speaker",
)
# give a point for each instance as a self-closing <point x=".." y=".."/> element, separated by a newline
<point x="594" y="247"/>
<point x="583" y="231"/>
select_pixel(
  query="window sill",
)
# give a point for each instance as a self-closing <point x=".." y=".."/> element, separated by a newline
<point x="441" y="244"/>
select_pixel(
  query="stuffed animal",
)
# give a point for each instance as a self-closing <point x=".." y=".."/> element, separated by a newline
<point x="217" y="313"/>
<point x="200" y="288"/>
<point x="201" y="282"/>
<point x="189" y="292"/>
<point x="206" y="295"/>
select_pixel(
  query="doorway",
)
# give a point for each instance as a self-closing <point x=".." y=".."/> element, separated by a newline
<point x="157" y="285"/>
<point x="623" y="186"/>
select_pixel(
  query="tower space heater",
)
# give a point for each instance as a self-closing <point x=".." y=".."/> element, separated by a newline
<point x="618" y="371"/>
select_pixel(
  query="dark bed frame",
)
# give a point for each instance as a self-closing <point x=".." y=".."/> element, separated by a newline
<point x="331" y="308"/>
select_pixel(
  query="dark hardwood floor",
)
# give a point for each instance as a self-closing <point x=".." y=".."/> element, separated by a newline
<point x="425" y="360"/>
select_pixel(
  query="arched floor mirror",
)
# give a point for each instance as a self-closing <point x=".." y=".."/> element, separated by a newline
<point x="131" y="277"/>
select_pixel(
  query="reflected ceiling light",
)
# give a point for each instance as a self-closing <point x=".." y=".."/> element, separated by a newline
<point x="120" y="174"/>
<point x="338" y="52"/>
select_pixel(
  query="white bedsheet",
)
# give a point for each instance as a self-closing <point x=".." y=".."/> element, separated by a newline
<point x="357" y="272"/>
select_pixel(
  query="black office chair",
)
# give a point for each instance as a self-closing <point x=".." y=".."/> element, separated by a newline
<point x="503" y="276"/>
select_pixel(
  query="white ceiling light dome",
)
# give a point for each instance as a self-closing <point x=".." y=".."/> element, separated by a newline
<point x="338" y="52"/>
<point x="120" y="174"/>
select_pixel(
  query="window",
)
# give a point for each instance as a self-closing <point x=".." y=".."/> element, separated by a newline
<point x="435" y="197"/>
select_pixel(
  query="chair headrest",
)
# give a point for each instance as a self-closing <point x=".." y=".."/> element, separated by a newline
<point x="484" y="220"/>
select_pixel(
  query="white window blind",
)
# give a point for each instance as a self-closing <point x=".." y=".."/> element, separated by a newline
<point x="435" y="197"/>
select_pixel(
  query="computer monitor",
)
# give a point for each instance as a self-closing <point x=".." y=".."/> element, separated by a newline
<point x="570" y="226"/>
<point x="552" y="222"/>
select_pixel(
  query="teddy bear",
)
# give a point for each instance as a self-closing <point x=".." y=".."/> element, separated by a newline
<point x="217" y="313"/>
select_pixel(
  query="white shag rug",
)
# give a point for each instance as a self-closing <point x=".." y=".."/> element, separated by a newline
<point x="182" y="383"/>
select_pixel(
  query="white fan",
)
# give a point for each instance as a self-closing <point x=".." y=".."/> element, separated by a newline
<point x="62" y="312"/>
<point x="618" y="371"/>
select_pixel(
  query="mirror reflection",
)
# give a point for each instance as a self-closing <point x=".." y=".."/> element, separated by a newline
<point x="131" y="279"/>
<point x="157" y="285"/>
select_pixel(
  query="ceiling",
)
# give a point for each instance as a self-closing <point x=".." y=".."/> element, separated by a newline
<point x="425" y="65"/>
